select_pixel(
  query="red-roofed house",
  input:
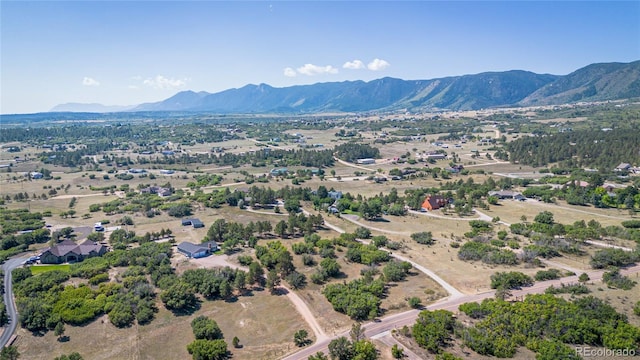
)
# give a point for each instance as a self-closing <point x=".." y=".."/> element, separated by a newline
<point x="434" y="202"/>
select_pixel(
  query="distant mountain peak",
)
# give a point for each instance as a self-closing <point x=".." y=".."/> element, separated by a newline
<point x="595" y="82"/>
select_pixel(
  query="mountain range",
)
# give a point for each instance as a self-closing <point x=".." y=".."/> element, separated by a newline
<point x="595" y="82"/>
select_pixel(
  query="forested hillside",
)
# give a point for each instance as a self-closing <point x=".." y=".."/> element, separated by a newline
<point x="587" y="148"/>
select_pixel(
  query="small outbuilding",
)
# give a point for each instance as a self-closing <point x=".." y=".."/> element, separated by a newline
<point x="196" y="223"/>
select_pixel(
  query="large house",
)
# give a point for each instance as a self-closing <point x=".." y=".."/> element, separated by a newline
<point x="195" y="251"/>
<point x="623" y="167"/>
<point x="504" y="194"/>
<point x="160" y="191"/>
<point x="69" y="251"/>
<point x="434" y="202"/>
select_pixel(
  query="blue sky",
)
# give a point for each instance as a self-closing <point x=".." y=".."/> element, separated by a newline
<point x="127" y="52"/>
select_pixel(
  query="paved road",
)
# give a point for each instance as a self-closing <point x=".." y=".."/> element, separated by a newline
<point x="451" y="304"/>
<point x="9" y="301"/>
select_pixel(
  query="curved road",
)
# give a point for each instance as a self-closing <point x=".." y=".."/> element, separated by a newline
<point x="451" y="304"/>
<point x="9" y="301"/>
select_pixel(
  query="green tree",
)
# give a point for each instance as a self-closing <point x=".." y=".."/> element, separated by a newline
<point x="583" y="278"/>
<point x="544" y="217"/>
<point x="554" y="349"/>
<point x="319" y="355"/>
<point x="433" y="329"/>
<point x="301" y="338"/>
<point x="357" y="332"/>
<point x="424" y="238"/>
<point x="364" y="350"/>
<point x="9" y="353"/>
<point x="205" y="328"/>
<point x="273" y="281"/>
<point x="363" y="233"/>
<point x="256" y="274"/>
<point x="59" y="330"/>
<point x="208" y="349"/>
<point x="341" y="349"/>
<point x="415" y="302"/>
<point x="281" y="228"/>
<point x="330" y="266"/>
<point x="179" y="296"/>
<point x="72" y="356"/>
<point x="397" y="352"/>
<point x="236" y="342"/>
<point x="296" y="280"/>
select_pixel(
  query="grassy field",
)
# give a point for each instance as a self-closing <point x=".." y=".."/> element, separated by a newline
<point x="263" y="332"/>
<point x="39" y="269"/>
<point x="265" y="324"/>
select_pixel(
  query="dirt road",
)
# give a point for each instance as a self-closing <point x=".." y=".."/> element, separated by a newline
<point x="298" y="303"/>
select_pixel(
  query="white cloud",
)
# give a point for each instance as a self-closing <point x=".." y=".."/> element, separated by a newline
<point x="311" y="70"/>
<point x="289" y="72"/>
<point x="353" y="65"/>
<point x="162" y="83"/>
<point x="87" y="81"/>
<point x="377" y="65"/>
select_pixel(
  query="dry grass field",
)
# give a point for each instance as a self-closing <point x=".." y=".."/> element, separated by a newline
<point x="264" y="323"/>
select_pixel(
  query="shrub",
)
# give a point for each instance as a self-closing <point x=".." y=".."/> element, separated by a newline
<point x="631" y="224"/>
<point x="205" y="328"/>
<point x="396" y="271"/>
<point x="614" y="279"/>
<point x="510" y="280"/>
<point x="424" y="238"/>
<point x="613" y="257"/>
<point x="245" y="260"/>
<point x="100" y="278"/>
<point x="574" y="289"/>
<point x="550" y="274"/>
<point x="415" y="302"/>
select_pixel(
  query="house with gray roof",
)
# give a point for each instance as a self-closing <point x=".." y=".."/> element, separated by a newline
<point x="69" y="251"/>
<point x="195" y="251"/>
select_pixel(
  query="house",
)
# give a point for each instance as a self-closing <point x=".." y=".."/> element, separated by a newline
<point x="195" y="251"/>
<point x="431" y="155"/>
<point x="278" y="171"/>
<point x="367" y="161"/>
<point x="335" y="195"/>
<point x="434" y="202"/>
<point x="69" y="251"/>
<point x="36" y="175"/>
<point x="160" y="191"/>
<point x="504" y="194"/>
<point x="520" y="197"/>
<point x="168" y="152"/>
<point x="580" y="183"/>
<point x="623" y="167"/>
<point x="196" y="223"/>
